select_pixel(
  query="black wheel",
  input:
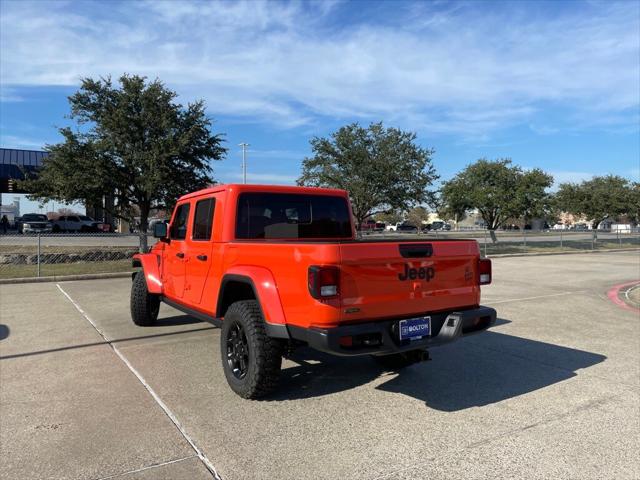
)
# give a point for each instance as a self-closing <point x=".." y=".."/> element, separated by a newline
<point x="397" y="361"/>
<point x="56" y="229"/>
<point x="251" y="360"/>
<point x="144" y="305"/>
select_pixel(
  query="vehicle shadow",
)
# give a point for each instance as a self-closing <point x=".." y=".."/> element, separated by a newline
<point x="474" y="371"/>
<point x="4" y="331"/>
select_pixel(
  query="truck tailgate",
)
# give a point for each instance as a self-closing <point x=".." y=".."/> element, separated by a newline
<point x="401" y="279"/>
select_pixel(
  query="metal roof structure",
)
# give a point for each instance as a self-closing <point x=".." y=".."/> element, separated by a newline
<point x="14" y="163"/>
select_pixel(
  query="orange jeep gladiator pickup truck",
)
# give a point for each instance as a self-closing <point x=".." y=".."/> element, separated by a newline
<point x="279" y="267"/>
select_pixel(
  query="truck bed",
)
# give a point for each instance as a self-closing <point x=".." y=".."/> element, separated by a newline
<point x="376" y="279"/>
<point x="403" y="278"/>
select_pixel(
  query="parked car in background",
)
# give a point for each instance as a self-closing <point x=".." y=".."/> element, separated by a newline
<point x="581" y="227"/>
<point x="406" y="227"/>
<point x="621" y="228"/>
<point x="392" y="227"/>
<point x="33" y="223"/>
<point x="439" y="225"/>
<point x="372" y="226"/>
<point x="76" y="223"/>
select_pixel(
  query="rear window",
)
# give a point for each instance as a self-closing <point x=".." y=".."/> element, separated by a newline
<point x="281" y="215"/>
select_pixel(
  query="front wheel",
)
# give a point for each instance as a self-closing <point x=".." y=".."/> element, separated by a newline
<point x="251" y="360"/>
<point x="144" y="305"/>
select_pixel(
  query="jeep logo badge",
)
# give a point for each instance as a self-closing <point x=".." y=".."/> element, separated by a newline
<point x="422" y="273"/>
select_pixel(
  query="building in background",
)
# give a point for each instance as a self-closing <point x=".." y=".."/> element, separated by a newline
<point x="16" y="163"/>
<point x="12" y="210"/>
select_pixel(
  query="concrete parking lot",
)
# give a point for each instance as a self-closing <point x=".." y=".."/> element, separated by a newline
<point x="552" y="391"/>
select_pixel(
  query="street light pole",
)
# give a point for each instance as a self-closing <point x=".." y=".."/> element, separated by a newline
<point x="244" y="161"/>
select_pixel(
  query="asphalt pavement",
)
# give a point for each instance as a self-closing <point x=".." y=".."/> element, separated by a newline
<point x="552" y="391"/>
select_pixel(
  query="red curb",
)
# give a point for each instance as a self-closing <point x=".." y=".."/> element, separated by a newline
<point x="613" y="296"/>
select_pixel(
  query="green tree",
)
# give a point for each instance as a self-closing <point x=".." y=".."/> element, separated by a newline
<point x="532" y="196"/>
<point x="602" y="197"/>
<point x="634" y="212"/>
<point x="390" y="218"/>
<point x="453" y="209"/>
<point x="498" y="190"/>
<point x="382" y="168"/>
<point x="133" y="141"/>
<point x="417" y="215"/>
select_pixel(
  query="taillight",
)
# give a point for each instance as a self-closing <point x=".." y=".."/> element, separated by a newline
<point x="484" y="271"/>
<point x="324" y="282"/>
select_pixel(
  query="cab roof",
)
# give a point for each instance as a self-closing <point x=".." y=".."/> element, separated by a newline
<point x="240" y="188"/>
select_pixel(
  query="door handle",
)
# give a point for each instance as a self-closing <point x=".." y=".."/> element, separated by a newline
<point x="202" y="257"/>
<point x="180" y="255"/>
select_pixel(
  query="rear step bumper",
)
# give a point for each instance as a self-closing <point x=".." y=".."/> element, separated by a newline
<point x="379" y="338"/>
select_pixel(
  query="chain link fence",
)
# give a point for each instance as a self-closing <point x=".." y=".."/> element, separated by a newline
<point x="530" y="241"/>
<point x="51" y="254"/>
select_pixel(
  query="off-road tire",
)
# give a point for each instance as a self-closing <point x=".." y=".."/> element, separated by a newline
<point x="144" y="305"/>
<point x="264" y="353"/>
<point x="398" y="361"/>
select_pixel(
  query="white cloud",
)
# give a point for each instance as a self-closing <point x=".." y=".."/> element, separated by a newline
<point x="578" y="177"/>
<point x="263" y="178"/>
<point x="458" y="70"/>
<point x="9" y="95"/>
<point x="543" y="129"/>
<point x="570" y="177"/>
<point x="274" y="154"/>
<point x="12" y="141"/>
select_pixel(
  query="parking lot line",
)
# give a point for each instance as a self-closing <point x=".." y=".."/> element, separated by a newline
<point x="535" y="298"/>
<point x="149" y="467"/>
<point x="207" y="463"/>
<point x="105" y="342"/>
<point x="614" y="295"/>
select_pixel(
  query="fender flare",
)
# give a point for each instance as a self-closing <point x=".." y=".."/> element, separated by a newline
<point x="150" y="269"/>
<point x="266" y="293"/>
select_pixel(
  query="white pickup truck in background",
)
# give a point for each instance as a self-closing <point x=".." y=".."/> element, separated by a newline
<point x="76" y="223"/>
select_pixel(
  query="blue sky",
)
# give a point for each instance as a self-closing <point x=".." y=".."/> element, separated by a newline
<point x="554" y="85"/>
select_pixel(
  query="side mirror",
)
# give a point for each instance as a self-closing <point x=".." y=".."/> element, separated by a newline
<point x="160" y="230"/>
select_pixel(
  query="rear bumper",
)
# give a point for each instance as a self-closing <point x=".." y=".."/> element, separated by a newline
<point x="380" y="338"/>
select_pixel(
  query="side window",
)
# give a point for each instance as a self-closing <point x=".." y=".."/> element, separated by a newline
<point x="203" y="219"/>
<point x="179" y="225"/>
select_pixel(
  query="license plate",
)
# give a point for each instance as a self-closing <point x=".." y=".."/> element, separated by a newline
<point x="415" y="328"/>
